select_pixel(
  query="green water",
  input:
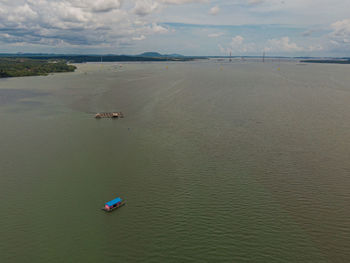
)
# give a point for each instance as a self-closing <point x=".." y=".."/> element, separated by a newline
<point x="236" y="162"/>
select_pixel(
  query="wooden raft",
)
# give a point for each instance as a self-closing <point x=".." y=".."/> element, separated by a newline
<point x="109" y="115"/>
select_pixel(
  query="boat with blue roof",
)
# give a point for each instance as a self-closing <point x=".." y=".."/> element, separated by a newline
<point x="113" y="204"/>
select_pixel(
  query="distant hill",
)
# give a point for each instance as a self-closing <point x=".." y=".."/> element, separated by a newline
<point x="150" y="54"/>
<point x="158" y="55"/>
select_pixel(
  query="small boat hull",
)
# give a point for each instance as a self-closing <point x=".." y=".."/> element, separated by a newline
<point x="114" y="208"/>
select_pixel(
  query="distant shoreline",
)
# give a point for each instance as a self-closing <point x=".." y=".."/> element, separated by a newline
<point x="326" y="61"/>
<point x="157" y="57"/>
<point x="99" y="58"/>
<point x="20" y="65"/>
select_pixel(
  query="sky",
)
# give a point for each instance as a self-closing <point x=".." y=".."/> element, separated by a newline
<point x="188" y="27"/>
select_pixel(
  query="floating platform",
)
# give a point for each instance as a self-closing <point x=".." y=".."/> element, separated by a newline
<point x="111" y="115"/>
<point x="113" y="204"/>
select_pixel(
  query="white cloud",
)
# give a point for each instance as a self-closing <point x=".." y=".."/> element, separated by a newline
<point x="215" y="35"/>
<point x="96" y="5"/>
<point x="214" y="10"/>
<point x="237" y="41"/>
<point x="82" y="23"/>
<point x="282" y="45"/>
<point x="238" y="46"/>
<point x="179" y="2"/>
<point x="339" y="38"/>
<point x="307" y="33"/>
<point x="255" y="2"/>
<point x="142" y="37"/>
<point x="121" y="23"/>
<point x="145" y="7"/>
<point x="155" y="28"/>
<point x="341" y="30"/>
<point x="314" y="48"/>
<point x="77" y="22"/>
<point x="222" y="49"/>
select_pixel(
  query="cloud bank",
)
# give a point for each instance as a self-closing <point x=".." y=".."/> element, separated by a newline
<point x="80" y="22"/>
<point x="297" y="27"/>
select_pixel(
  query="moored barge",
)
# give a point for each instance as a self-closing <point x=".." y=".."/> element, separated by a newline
<point x="113" y="204"/>
<point x="113" y="115"/>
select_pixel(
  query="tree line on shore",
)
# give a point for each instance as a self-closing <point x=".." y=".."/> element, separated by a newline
<point x="19" y="67"/>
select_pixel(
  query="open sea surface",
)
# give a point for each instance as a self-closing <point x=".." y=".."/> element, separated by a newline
<point x="218" y="162"/>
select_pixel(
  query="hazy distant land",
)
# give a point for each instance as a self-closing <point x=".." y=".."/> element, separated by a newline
<point x="18" y="65"/>
<point x="75" y="58"/>
<point x="22" y="64"/>
<point x="327" y="61"/>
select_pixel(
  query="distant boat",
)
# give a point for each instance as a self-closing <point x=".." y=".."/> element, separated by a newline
<point x="113" y="204"/>
<point x="109" y="115"/>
